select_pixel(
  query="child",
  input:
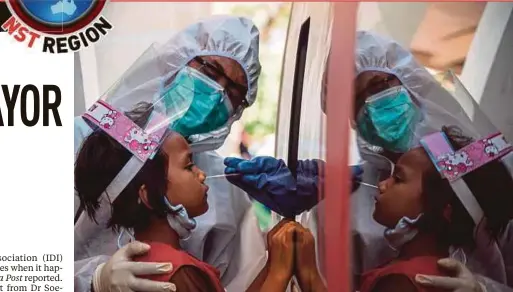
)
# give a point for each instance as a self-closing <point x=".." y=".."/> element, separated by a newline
<point x="145" y="206"/>
<point x="437" y="220"/>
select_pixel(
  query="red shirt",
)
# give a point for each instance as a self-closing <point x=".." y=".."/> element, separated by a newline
<point x="418" y="265"/>
<point x="161" y="253"/>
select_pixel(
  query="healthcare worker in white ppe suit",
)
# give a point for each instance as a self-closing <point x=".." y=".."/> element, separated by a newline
<point x="383" y="64"/>
<point x="227" y="236"/>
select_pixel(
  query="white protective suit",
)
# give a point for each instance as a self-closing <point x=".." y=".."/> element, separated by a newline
<point x="376" y="53"/>
<point x="227" y="236"/>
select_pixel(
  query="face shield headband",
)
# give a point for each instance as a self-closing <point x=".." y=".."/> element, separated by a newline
<point x="143" y="145"/>
<point x="453" y="165"/>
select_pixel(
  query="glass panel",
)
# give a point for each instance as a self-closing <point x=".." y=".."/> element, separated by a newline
<point x="439" y="36"/>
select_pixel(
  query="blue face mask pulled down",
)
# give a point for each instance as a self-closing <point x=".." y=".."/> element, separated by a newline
<point x="388" y="119"/>
<point x="198" y="104"/>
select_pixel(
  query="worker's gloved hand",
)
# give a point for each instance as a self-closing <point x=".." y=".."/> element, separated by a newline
<point x="463" y="281"/>
<point x="119" y="274"/>
<point x="356" y="173"/>
<point x="269" y="181"/>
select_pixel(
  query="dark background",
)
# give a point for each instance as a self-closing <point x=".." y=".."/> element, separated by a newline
<point x="4" y="14"/>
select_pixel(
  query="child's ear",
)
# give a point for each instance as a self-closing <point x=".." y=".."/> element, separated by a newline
<point x="447" y="213"/>
<point x="143" y="196"/>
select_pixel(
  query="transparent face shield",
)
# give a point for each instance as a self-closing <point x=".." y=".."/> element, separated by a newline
<point x="382" y="168"/>
<point x="184" y="100"/>
<point x="396" y="120"/>
<point x="453" y="165"/>
<point x="430" y="115"/>
<point x="149" y="100"/>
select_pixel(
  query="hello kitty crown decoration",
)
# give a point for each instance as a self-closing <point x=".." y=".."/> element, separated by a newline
<point x="453" y="165"/>
<point x="141" y="144"/>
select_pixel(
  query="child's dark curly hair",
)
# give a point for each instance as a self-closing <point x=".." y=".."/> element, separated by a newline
<point x="491" y="184"/>
<point x="101" y="158"/>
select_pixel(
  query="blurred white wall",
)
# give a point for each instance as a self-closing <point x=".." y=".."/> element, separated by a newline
<point x="136" y="26"/>
<point x="397" y="20"/>
<point x="488" y="70"/>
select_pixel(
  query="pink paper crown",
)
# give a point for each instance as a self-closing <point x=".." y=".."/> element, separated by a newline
<point x="136" y="140"/>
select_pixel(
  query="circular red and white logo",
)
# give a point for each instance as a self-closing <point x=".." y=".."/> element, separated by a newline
<point x="56" y="17"/>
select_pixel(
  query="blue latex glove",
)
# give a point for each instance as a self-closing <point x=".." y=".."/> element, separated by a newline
<point x="269" y="181"/>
